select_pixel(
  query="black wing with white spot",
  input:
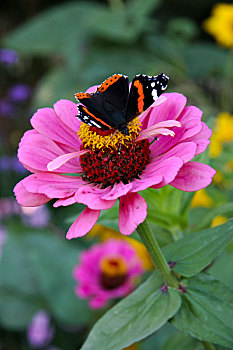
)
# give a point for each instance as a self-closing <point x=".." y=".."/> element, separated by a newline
<point x="144" y="91"/>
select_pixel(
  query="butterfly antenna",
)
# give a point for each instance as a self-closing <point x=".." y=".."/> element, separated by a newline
<point x="110" y="138"/>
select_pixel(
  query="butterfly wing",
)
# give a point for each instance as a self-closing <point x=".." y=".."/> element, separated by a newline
<point x="90" y="119"/>
<point x="143" y="92"/>
<point x="110" y="99"/>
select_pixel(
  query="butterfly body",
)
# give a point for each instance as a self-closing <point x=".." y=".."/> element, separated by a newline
<point x="115" y="104"/>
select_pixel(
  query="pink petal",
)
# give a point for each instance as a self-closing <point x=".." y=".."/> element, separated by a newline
<point x="67" y="112"/>
<point x="201" y="138"/>
<point x="164" y="124"/>
<point x="97" y="303"/>
<point x="193" y="176"/>
<point x="158" y="172"/>
<point x="132" y="212"/>
<point x="36" y="150"/>
<point x="63" y="159"/>
<point x="83" y="224"/>
<point x="170" y="109"/>
<point x="92" y="197"/>
<point x="47" y="123"/>
<point x="92" y="89"/>
<point x="52" y="185"/>
<point x="28" y="199"/>
<point x="64" y="202"/>
<point x="191" y="118"/>
<point x="185" y="151"/>
<point x="118" y="190"/>
<point x="152" y="133"/>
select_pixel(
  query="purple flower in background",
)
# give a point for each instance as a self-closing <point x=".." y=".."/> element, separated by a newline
<point x="39" y="332"/>
<point x="11" y="163"/>
<point x="7" y="110"/>
<point x="8" y="57"/>
<point x="19" y="93"/>
<point x="35" y="216"/>
<point x="3" y="235"/>
<point x="9" y="206"/>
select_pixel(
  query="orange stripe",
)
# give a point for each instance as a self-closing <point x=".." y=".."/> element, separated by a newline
<point x="93" y="116"/>
<point x="139" y="86"/>
<point x="82" y="95"/>
<point x="111" y="80"/>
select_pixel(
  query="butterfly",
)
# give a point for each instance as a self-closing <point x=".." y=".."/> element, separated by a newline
<point x="115" y="103"/>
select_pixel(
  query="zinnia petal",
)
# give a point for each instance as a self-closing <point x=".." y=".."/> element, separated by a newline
<point x="28" y="199"/>
<point x="132" y="212"/>
<point x="63" y="159"/>
<point x="83" y="224"/>
<point x="193" y="176"/>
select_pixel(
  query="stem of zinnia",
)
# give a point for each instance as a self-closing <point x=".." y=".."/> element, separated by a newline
<point x="156" y="254"/>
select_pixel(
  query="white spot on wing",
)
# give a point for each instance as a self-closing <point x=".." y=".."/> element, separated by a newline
<point x="154" y="94"/>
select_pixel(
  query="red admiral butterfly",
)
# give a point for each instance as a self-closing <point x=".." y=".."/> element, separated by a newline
<point x="114" y="105"/>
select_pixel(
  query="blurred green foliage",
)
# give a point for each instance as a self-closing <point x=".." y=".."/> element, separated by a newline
<point x="65" y="48"/>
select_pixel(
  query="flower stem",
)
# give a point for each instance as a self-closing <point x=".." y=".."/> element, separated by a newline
<point x="156" y="254"/>
<point x="208" y="346"/>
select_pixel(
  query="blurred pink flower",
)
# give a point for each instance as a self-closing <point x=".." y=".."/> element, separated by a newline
<point x="106" y="271"/>
<point x="53" y="144"/>
<point x="39" y="332"/>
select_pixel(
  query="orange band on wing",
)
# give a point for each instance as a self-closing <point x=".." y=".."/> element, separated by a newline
<point x="111" y="80"/>
<point x="81" y="95"/>
<point x="141" y="97"/>
<point x="94" y="117"/>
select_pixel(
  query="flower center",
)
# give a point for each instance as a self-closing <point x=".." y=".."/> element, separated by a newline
<point x="108" y="166"/>
<point x="113" y="272"/>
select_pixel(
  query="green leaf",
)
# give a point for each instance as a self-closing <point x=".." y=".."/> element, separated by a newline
<point x="15" y="266"/>
<point x="60" y="83"/>
<point x="52" y="260"/>
<point x="197" y="250"/>
<point x="135" y="317"/>
<point x="203" y="59"/>
<point x="57" y="30"/>
<point x="182" y="342"/>
<point x="222" y="269"/>
<point x="157" y="339"/>
<point x="225" y="209"/>
<point x="16" y="310"/>
<point x="207" y="311"/>
<point x="36" y="270"/>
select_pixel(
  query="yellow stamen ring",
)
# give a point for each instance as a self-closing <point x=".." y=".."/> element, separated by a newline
<point x="93" y="140"/>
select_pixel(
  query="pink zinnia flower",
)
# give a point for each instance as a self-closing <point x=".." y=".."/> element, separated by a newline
<point x="52" y="151"/>
<point x="106" y="271"/>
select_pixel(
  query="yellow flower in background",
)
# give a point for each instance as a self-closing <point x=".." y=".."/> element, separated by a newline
<point x="218" y="177"/>
<point x="223" y="133"/>
<point x="132" y="347"/>
<point x="201" y="199"/>
<point x="229" y="165"/>
<point x="218" y="220"/>
<point x="105" y="233"/>
<point x="220" y="24"/>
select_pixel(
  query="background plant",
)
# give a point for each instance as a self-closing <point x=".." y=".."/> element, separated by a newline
<point x="64" y="47"/>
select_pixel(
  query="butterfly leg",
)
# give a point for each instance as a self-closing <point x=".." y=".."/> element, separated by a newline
<point x="110" y="137"/>
<point x="119" y="149"/>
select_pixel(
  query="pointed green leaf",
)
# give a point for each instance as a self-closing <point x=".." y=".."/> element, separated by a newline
<point x="207" y="311"/>
<point x="182" y="342"/>
<point x="194" y="252"/>
<point x="135" y="317"/>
